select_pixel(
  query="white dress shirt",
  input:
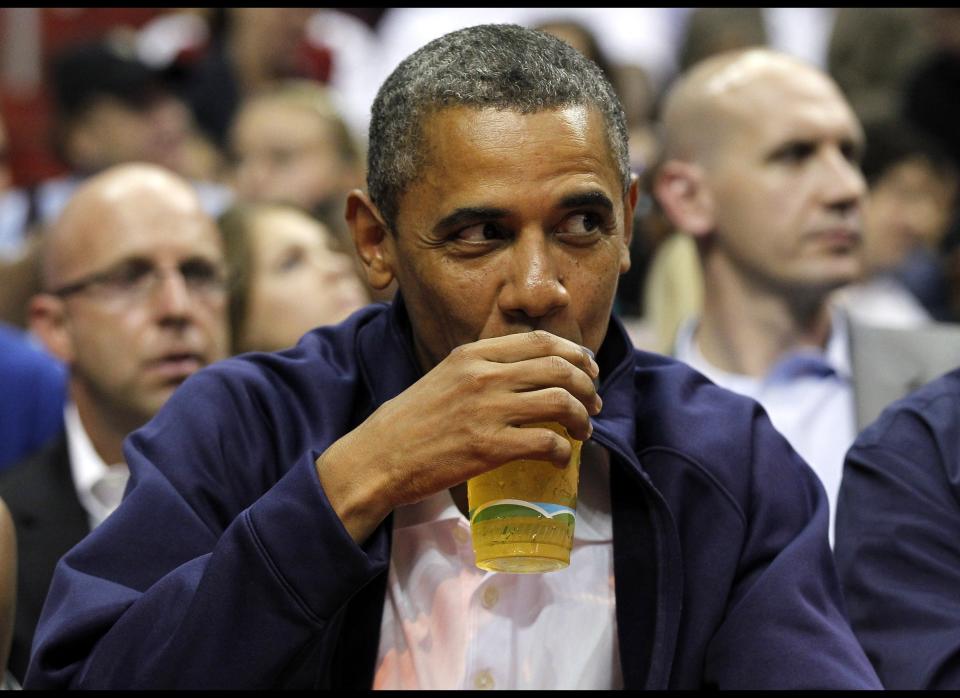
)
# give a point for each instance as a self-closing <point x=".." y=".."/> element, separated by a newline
<point x="449" y="625"/>
<point x="808" y="395"/>
<point x="99" y="486"/>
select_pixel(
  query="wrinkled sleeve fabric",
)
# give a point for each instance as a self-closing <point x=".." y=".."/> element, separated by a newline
<point x="785" y="625"/>
<point x="898" y="544"/>
<point x="224" y="566"/>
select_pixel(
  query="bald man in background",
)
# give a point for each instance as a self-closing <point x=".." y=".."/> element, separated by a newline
<point x="133" y="302"/>
<point x="761" y="168"/>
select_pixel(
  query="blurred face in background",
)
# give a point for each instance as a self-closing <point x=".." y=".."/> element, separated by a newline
<point x="287" y="153"/>
<point x="136" y="300"/>
<point x="909" y="207"/>
<point x="113" y="132"/>
<point x="785" y="184"/>
<point x="265" y="40"/>
<point x="298" y="280"/>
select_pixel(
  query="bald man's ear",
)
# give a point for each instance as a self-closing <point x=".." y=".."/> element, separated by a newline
<point x="686" y="199"/>
<point x="48" y="321"/>
<point x="374" y="243"/>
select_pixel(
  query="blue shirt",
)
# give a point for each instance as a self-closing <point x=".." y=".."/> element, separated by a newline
<point x="808" y="394"/>
<point x="33" y="391"/>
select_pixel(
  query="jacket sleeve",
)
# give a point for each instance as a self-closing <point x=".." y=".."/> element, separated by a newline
<point x="221" y="568"/>
<point x="898" y="551"/>
<point x="785" y="625"/>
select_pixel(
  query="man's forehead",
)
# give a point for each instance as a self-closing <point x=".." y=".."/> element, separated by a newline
<point x="491" y="134"/>
<point x="103" y="234"/>
<point x="461" y="118"/>
<point x="787" y="104"/>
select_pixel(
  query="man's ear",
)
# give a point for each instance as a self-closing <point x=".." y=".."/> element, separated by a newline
<point x="685" y="197"/>
<point x="48" y="321"/>
<point x="373" y="240"/>
<point x="629" y="209"/>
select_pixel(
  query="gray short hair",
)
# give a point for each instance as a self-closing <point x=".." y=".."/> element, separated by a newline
<point x="502" y="66"/>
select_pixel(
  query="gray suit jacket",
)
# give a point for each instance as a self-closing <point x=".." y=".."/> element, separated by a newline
<point x="889" y="363"/>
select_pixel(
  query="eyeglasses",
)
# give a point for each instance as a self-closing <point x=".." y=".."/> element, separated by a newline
<point x="136" y="280"/>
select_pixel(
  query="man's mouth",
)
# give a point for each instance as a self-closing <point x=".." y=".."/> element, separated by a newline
<point x="176" y="366"/>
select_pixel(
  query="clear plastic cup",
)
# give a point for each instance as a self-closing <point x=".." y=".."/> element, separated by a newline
<point x="522" y="514"/>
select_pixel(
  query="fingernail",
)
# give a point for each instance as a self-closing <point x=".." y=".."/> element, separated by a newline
<point x="594" y="366"/>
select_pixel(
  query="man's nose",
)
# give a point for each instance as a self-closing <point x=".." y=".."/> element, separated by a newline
<point x="846" y="185"/>
<point x="172" y="296"/>
<point x="534" y="286"/>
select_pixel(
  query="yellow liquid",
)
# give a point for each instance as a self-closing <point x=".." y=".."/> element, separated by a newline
<point x="526" y="543"/>
<point x="521" y="544"/>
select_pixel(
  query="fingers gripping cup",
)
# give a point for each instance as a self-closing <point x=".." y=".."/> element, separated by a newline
<point x="522" y="514"/>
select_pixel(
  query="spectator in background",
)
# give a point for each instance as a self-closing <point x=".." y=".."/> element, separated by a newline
<point x="898" y="538"/>
<point x="760" y="166"/>
<point x="112" y="108"/>
<point x="912" y="191"/>
<point x="290" y="144"/>
<point x="133" y="302"/>
<point x="14" y="208"/>
<point x="286" y="276"/>
<point x="930" y="102"/>
<point x="250" y="49"/>
<point x="34" y="388"/>
<point x="218" y="57"/>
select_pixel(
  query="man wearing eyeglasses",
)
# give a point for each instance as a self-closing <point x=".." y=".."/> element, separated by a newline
<point x="133" y="302"/>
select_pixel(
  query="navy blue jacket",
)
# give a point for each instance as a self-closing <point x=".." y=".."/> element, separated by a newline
<point x="225" y="566"/>
<point x="898" y="538"/>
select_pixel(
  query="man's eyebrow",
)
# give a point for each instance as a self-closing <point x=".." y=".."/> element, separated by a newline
<point x="470" y="214"/>
<point x="587" y="198"/>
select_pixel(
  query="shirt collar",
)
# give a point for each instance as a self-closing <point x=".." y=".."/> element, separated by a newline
<point x="834" y="359"/>
<point x="86" y="465"/>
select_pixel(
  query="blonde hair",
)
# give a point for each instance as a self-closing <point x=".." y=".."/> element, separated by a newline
<point x="318" y="100"/>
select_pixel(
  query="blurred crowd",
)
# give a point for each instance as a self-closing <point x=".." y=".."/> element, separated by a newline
<point x="264" y="112"/>
<point x="255" y="104"/>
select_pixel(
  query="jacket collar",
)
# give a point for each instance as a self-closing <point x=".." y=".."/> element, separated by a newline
<point x="385" y="347"/>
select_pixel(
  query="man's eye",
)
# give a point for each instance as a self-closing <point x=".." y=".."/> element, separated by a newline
<point x="129" y="275"/>
<point x="795" y="152"/>
<point x="581" y="224"/>
<point x="292" y="259"/>
<point x="481" y="232"/>
<point x="282" y="157"/>
<point x="195" y="273"/>
<point x="851" y="152"/>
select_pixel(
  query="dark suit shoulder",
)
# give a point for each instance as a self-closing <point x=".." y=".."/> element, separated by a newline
<point x="39" y="481"/>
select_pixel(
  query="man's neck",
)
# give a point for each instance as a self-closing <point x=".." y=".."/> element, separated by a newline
<point x="746" y="329"/>
<point x="105" y="435"/>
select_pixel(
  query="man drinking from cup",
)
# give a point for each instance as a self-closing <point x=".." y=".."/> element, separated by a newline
<point x="298" y="519"/>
